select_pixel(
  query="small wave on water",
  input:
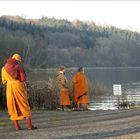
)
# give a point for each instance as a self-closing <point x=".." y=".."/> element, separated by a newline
<point x="103" y="106"/>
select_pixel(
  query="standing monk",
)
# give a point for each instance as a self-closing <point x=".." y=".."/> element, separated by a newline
<point x="80" y="89"/>
<point x="13" y="77"/>
<point x="64" y="89"/>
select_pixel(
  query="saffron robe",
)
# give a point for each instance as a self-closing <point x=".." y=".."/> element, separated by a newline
<point x="64" y="98"/>
<point x="80" y="88"/>
<point x="64" y="89"/>
<point x="16" y="94"/>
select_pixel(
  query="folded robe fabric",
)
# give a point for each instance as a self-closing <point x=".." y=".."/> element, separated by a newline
<point x="80" y="88"/>
<point x="16" y="93"/>
<point x="64" y="98"/>
<point x="64" y="89"/>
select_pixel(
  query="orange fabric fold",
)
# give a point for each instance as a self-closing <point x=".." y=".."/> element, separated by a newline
<point x="64" y="98"/>
<point x="16" y="93"/>
<point x="80" y="88"/>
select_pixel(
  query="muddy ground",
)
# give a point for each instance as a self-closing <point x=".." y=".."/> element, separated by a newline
<point x="98" y="124"/>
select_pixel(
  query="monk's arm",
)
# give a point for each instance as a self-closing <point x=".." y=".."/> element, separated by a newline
<point x="22" y="74"/>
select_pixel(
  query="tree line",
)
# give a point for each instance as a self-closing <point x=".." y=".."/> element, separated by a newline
<point x="49" y="42"/>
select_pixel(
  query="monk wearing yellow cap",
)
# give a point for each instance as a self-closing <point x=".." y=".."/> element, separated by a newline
<point x="64" y="89"/>
<point x="80" y="89"/>
<point x="17" y="102"/>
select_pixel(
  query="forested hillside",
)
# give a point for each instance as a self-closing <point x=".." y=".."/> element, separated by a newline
<point x="49" y="42"/>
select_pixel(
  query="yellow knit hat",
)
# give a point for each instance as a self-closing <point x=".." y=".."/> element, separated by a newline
<point x="16" y="57"/>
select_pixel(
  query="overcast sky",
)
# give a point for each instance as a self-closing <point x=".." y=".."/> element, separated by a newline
<point x="122" y="14"/>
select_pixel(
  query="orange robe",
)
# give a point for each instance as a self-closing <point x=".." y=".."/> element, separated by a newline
<point x="64" y="98"/>
<point x="16" y="93"/>
<point x="64" y="89"/>
<point x="80" y="88"/>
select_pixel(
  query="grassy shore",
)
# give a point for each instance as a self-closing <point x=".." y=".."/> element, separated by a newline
<point x="76" y="125"/>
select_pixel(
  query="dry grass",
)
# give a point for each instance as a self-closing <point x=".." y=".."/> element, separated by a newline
<point x="45" y="94"/>
<point x="97" y="89"/>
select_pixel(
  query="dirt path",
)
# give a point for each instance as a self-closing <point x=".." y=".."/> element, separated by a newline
<point x="76" y="125"/>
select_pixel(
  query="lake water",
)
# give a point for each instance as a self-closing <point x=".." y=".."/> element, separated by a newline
<point x="128" y="77"/>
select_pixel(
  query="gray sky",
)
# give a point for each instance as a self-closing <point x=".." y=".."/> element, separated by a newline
<point x="122" y="14"/>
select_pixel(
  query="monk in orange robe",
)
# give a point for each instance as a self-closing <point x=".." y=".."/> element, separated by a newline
<point x="64" y="89"/>
<point x="80" y="89"/>
<point x="13" y="77"/>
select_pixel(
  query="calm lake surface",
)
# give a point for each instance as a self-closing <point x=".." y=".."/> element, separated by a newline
<point x="128" y="77"/>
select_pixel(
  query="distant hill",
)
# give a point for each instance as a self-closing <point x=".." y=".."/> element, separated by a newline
<point x="49" y="42"/>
